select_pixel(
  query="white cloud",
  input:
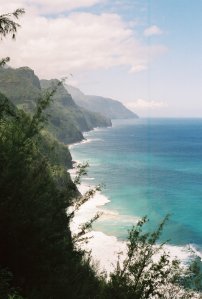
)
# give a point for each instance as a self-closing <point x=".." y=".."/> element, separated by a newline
<point x="143" y="104"/>
<point x="55" y="47"/>
<point x="153" y="30"/>
<point x="49" y="6"/>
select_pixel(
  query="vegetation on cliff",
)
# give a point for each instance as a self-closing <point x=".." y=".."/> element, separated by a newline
<point x="38" y="256"/>
<point x="35" y="192"/>
<point x="67" y="121"/>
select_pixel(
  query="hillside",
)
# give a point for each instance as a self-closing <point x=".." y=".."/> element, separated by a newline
<point x="66" y="116"/>
<point x="21" y="86"/>
<point x="37" y="256"/>
<point x="109" y="108"/>
<point x="67" y="121"/>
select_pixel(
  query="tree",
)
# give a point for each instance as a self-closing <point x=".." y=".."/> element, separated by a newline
<point x="33" y="212"/>
<point x="8" y="25"/>
<point x="147" y="271"/>
<point x="193" y="274"/>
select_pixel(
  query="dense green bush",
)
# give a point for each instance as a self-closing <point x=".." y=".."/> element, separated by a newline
<point x="34" y="227"/>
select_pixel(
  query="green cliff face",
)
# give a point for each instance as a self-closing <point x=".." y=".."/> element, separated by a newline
<point x="20" y="85"/>
<point x="67" y="121"/>
<point x="55" y="151"/>
<point x="66" y="115"/>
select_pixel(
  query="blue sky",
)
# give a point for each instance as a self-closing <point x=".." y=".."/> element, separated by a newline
<point x="145" y="53"/>
<point x="175" y="78"/>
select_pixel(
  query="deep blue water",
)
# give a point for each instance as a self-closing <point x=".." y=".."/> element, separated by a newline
<point x="149" y="167"/>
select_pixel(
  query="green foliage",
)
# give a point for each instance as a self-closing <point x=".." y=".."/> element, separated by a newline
<point x="6" y="107"/>
<point x="56" y="152"/>
<point x="4" y="61"/>
<point x="80" y="172"/>
<point x="67" y="121"/>
<point x="193" y="276"/>
<point x="37" y="246"/>
<point x="9" y="26"/>
<point x="6" y="290"/>
<point x="195" y="270"/>
<point x="147" y="271"/>
<point x="66" y="117"/>
<point x="21" y="86"/>
<point x="38" y="119"/>
<point x="5" y="279"/>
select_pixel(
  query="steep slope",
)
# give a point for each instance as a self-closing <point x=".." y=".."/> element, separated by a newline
<point x="59" y="154"/>
<point x="67" y="121"/>
<point x="37" y="255"/>
<point x="64" y="113"/>
<point x="106" y="106"/>
<point x="21" y="86"/>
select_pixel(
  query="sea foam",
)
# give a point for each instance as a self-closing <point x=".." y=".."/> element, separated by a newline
<point x="105" y="249"/>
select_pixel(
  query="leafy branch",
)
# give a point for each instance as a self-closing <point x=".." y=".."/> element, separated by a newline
<point x="8" y="25"/>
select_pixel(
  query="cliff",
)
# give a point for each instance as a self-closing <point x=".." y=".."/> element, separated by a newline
<point x="67" y="120"/>
<point x="109" y="108"/>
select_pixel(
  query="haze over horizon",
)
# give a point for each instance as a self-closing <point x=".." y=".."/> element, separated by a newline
<point x="146" y="54"/>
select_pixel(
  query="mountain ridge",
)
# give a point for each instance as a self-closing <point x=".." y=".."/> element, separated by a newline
<point x="67" y="121"/>
<point x="108" y="107"/>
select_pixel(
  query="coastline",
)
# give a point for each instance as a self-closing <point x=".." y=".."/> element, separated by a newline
<point x="106" y="248"/>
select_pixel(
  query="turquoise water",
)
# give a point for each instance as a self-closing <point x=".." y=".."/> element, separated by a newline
<point x="149" y="167"/>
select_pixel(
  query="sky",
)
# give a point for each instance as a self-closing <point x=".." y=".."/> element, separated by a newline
<point x="144" y="53"/>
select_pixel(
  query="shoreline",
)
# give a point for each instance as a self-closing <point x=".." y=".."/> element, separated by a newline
<point x="105" y="248"/>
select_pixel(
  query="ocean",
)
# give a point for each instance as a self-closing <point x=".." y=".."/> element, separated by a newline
<point x="149" y="167"/>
